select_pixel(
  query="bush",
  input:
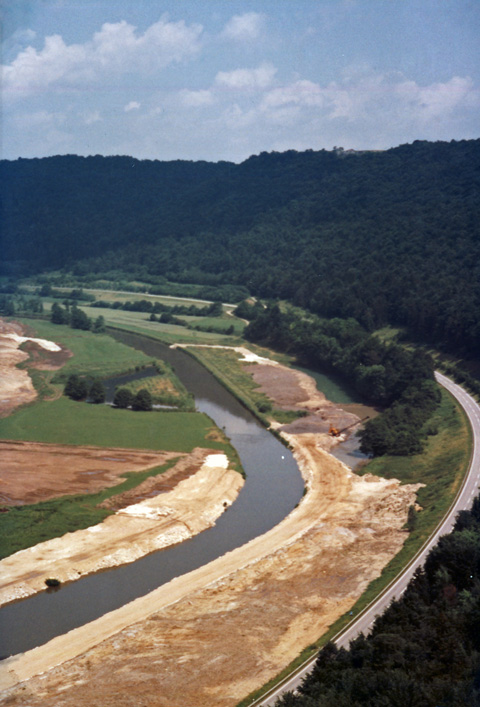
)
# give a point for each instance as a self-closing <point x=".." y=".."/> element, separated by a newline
<point x="123" y="398"/>
<point x="96" y="394"/>
<point x="142" y="400"/>
<point x="76" y="388"/>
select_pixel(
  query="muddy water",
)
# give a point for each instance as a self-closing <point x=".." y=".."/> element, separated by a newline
<point x="272" y="489"/>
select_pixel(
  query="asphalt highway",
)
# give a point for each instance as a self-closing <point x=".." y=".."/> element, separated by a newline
<point x="464" y="500"/>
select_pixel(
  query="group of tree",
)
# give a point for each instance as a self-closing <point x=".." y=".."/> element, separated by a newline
<point x="11" y="305"/>
<point x="79" y="388"/>
<point x="385" y="374"/>
<point x="424" y="651"/>
<point x="214" y="309"/>
<point x="384" y="237"/>
<point x="76" y="318"/>
<point x="124" y="398"/>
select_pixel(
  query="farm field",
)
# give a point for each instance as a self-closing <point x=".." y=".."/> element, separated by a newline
<point x="61" y="424"/>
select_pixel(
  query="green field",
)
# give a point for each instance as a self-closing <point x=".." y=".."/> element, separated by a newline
<point x="139" y="322"/>
<point x="93" y="354"/>
<point x="64" y="421"/>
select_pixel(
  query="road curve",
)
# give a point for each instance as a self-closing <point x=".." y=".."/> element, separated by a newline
<point x="463" y="501"/>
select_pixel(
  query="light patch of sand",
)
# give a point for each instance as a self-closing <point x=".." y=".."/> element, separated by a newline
<point x="192" y="506"/>
<point x="248" y="356"/>
<point x="44" y="343"/>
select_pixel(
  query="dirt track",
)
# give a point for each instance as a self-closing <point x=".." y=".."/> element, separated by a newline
<point x="209" y="638"/>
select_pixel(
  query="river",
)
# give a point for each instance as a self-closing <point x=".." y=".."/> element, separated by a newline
<point x="272" y="489"/>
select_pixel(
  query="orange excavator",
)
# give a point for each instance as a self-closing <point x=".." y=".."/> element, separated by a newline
<point x="335" y="432"/>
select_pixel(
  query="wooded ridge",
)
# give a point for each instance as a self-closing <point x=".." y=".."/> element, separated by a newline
<point x="385" y="237"/>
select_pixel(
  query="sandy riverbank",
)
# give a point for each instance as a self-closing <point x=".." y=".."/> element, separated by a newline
<point x="132" y="532"/>
<point x="210" y="637"/>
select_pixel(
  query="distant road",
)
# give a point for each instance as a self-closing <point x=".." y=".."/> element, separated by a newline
<point x="146" y="294"/>
<point x="463" y="501"/>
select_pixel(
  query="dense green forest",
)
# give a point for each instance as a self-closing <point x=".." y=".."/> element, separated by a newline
<point x="384" y="237"/>
<point x="385" y="374"/>
<point x="424" y="651"/>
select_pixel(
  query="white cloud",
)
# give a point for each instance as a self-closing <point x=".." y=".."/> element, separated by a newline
<point x="116" y="49"/>
<point x="133" y="105"/>
<point x="438" y="99"/>
<point x="306" y="93"/>
<point x="244" y="27"/>
<point x="196" y="99"/>
<point x="247" y="78"/>
<point x="93" y="117"/>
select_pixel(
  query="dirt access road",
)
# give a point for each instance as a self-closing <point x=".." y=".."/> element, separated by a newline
<point x="209" y="638"/>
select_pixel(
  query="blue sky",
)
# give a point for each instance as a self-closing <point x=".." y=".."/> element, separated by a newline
<point x="224" y="79"/>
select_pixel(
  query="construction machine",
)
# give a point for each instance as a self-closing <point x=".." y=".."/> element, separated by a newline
<point x="335" y="432"/>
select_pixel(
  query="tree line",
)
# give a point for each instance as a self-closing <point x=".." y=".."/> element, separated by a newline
<point x="384" y="237"/>
<point x="384" y="374"/>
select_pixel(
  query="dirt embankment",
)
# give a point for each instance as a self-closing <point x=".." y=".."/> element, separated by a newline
<point x="132" y="532"/>
<point x="209" y="638"/>
<point x="16" y="385"/>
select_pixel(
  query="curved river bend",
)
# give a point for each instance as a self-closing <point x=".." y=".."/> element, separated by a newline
<point x="272" y="489"/>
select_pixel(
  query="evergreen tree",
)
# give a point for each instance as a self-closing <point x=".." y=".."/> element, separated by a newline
<point x="99" y="325"/>
<point x="76" y="388"/>
<point x="96" y="394"/>
<point x="123" y="398"/>
<point x="58" y="315"/>
<point x="142" y="400"/>
<point x="79" y="320"/>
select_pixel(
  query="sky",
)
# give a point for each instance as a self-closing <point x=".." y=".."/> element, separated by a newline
<point x="224" y="79"/>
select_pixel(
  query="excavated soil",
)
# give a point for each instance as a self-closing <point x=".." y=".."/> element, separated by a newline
<point x="16" y="385"/>
<point x="209" y="638"/>
<point x="138" y="528"/>
<point x="32" y="472"/>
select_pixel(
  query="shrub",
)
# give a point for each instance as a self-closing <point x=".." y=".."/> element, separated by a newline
<point x="123" y="398"/>
<point x="76" y="388"/>
<point x="142" y="400"/>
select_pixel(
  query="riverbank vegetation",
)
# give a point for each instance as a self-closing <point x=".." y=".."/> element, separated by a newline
<point x="383" y="373"/>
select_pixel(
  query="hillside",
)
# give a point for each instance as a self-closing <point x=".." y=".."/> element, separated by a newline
<point x="386" y="237"/>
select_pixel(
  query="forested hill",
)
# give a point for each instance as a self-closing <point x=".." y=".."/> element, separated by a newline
<point x="381" y="236"/>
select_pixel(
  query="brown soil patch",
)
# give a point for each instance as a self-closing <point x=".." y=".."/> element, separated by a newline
<point x="33" y="472"/>
<point x="137" y="529"/>
<point x="44" y="360"/>
<point x="293" y="390"/>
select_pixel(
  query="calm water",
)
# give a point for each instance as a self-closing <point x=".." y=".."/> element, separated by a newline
<point x="272" y="489"/>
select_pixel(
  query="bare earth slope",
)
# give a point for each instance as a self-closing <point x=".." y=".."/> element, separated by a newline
<point x="207" y="639"/>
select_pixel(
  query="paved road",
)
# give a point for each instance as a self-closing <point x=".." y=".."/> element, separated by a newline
<point x="464" y="501"/>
